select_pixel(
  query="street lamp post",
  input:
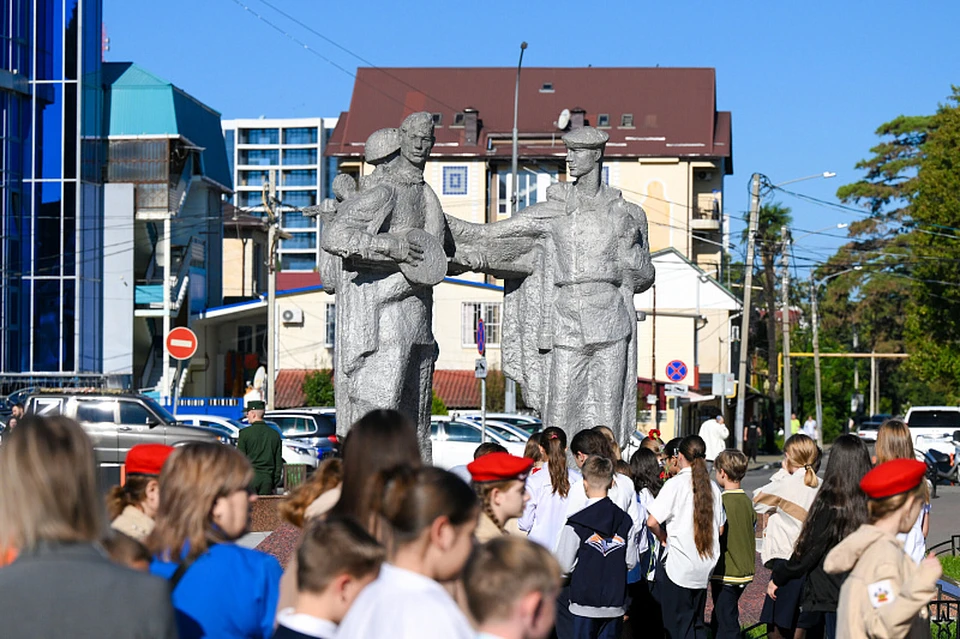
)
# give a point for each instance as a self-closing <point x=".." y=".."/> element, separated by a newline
<point x="815" y="319"/>
<point x="510" y="386"/>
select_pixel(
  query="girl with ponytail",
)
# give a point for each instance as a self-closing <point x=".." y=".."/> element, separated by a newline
<point x="431" y="515"/>
<point x="786" y="500"/>
<point x="500" y="481"/>
<point x="546" y="511"/>
<point x="687" y="516"/>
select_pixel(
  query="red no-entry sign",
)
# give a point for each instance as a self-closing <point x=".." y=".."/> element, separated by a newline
<point x="181" y="343"/>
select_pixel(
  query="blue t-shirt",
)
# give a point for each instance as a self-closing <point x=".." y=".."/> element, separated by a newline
<point x="229" y="591"/>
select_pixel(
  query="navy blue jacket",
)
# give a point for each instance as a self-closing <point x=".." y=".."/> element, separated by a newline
<point x="600" y="533"/>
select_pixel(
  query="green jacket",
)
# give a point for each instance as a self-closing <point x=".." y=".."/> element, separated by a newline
<point x="263" y="447"/>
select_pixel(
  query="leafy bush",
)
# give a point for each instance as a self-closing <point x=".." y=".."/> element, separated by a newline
<point x="318" y="388"/>
<point x="437" y="407"/>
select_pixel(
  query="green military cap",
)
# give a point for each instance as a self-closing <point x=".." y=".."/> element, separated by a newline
<point x="256" y="404"/>
<point x="585" y="137"/>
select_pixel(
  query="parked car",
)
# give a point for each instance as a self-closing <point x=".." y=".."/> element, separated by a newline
<point x="933" y="422"/>
<point x="869" y="427"/>
<point x="513" y="434"/>
<point x="294" y="451"/>
<point x="307" y="426"/>
<point x="116" y="421"/>
<point x="633" y="445"/>
<point x="455" y="441"/>
<point x="528" y="423"/>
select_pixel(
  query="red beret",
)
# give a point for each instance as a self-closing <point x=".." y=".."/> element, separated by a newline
<point x="147" y="459"/>
<point x="499" y="467"/>
<point x="893" y="477"/>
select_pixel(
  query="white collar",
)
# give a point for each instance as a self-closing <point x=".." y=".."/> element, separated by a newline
<point x="391" y="573"/>
<point x="307" y="624"/>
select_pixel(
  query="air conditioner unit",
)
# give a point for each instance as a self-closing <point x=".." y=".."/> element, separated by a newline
<point x="705" y="175"/>
<point x="291" y="315"/>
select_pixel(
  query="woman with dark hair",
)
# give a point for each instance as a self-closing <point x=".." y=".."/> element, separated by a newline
<point x="61" y="583"/>
<point x="839" y="508"/>
<point x="644" y="612"/>
<point x="546" y="511"/>
<point x="690" y="507"/>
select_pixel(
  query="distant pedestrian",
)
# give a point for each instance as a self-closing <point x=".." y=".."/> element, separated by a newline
<point x="714" y="434"/>
<point x="499" y="480"/>
<point x="16" y="414"/>
<point x="809" y="427"/>
<point x="734" y="570"/>
<point x="769" y="435"/>
<point x="751" y="438"/>
<point x="839" y="508"/>
<point x="263" y="446"/>
<point x="337" y="559"/>
<point x="885" y="593"/>
<point x="687" y="517"/>
<point x="431" y="516"/>
<point x="894" y="442"/>
<point x="511" y="585"/>
<point x="794" y="425"/>
<point x="61" y="583"/>
<point x="219" y="589"/>
<point x="133" y="506"/>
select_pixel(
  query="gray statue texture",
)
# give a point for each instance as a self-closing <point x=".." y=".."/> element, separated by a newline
<point x="385" y="253"/>
<point x="571" y="266"/>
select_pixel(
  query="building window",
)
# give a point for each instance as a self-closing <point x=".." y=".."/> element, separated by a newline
<point x="297" y="220"/>
<point x="259" y="136"/>
<point x="254" y="178"/>
<point x="626" y="120"/>
<point x="457" y="119"/>
<point x="330" y="324"/>
<point x="260" y="157"/>
<point x="252" y="339"/>
<point x="532" y="186"/>
<point x="300" y="240"/>
<point x="300" y="135"/>
<point x="257" y="269"/>
<point x="249" y="199"/>
<point x="546" y="87"/>
<point x="300" y="156"/>
<point x="300" y="177"/>
<point x="454" y="180"/>
<point x="473" y="311"/>
<point x="603" y="120"/>
<point x="437" y="119"/>
<point x="299" y="199"/>
<point x="606" y="175"/>
<point x="298" y="261"/>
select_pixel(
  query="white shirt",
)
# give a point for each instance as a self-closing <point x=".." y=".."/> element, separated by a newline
<point x="914" y="543"/>
<point x="644" y="499"/>
<point x="307" y="624"/>
<point x="622" y="493"/>
<point x="809" y="428"/>
<point x="673" y="508"/>
<point x="404" y="605"/>
<point x="714" y="435"/>
<point x="546" y="511"/>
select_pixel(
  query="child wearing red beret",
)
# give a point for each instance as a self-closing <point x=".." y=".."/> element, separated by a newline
<point x="500" y="482"/>
<point x="886" y="593"/>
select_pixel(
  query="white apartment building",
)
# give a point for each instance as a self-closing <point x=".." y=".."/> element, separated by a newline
<point x="294" y="149"/>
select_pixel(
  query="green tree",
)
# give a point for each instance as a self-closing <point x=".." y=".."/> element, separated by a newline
<point x="437" y="407"/>
<point x="769" y="247"/>
<point x="933" y="325"/>
<point x="318" y="388"/>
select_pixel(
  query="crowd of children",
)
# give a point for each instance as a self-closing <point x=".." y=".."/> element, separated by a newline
<point x="526" y="548"/>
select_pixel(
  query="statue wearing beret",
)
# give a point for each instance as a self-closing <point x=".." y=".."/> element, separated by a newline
<point x="572" y="266"/>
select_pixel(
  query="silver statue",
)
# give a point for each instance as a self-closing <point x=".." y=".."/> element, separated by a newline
<point x="573" y="265"/>
<point x="388" y="238"/>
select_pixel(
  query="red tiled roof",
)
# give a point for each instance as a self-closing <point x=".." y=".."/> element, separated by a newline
<point x="289" y="280"/>
<point x="457" y="389"/>
<point x="289" y="391"/>
<point x="674" y="109"/>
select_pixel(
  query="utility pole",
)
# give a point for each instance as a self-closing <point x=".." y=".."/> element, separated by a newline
<point x="269" y="204"/>
<point x="747" y="308"/>
<point x="816" y="358"/>
<point x="785" y="321"/>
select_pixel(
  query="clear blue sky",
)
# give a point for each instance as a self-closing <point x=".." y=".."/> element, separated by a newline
<point x="807" y="82"/>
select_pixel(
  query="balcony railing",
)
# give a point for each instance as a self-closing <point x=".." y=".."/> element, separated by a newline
<point x="706" y="213"/>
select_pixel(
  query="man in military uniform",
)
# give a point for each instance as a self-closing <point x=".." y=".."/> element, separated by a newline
<point x="263" y="447"/>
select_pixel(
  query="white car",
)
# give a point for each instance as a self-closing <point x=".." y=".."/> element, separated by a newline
<point x="528" y="423"/>
<point x="294" y="452"/>
<point x="455" y="441"/>
<point x="932" y="422"/>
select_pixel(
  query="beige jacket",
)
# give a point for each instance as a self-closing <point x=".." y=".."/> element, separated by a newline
<point x="886" y="594"/>
<point x="787" y="498"/>
<point x="133" y="522"/>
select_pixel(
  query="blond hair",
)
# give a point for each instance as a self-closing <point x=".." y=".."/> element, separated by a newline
<point x="328" y="476"/>
<point x="48" y="485"/>
<point x="503" y="570"/>
<point x="335" y="547"/>
<point x="802" y="452"/>
<point x="195" y="476"/>
<point x="893" y="441"/>
<point x="732" y="462"/>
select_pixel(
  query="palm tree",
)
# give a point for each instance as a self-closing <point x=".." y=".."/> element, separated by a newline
<point x="769" y="245"/>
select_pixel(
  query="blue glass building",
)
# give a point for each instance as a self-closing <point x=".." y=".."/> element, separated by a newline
<point x="51" y="164"/>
